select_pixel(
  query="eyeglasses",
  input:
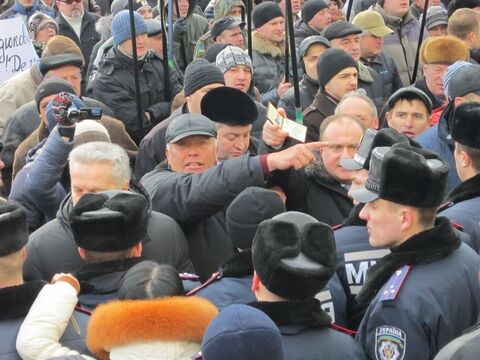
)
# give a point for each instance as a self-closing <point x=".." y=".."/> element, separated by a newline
<point x="48" y="27"/>
<point x="70" y="2"/>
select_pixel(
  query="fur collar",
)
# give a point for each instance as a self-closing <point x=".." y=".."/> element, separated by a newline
<point x="266" y="47"/>
<point x="423" y="248"/>
<point x="353" y="218"/>
<point x="15" y="301"/>
<point x="467" y="190"/>
<point x="122" y="322"/>
<point x="239" y="265"/>
<point x="300" y="314"/>
<point x="316" y="171"/>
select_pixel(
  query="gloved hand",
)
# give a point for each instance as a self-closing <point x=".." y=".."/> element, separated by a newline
<point x="60" y="105"/>
<point x="180" y="27"/>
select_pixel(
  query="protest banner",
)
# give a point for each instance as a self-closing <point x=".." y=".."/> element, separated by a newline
<point x="16" y="49"/>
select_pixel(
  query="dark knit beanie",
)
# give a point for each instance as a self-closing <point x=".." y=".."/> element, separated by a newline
<point x="247" y="211"/>
<point x="52" y="86"/>
<point x="311" y="8"/>
<point x="265" y="12"/>
<point x="212" y="52"/>
<point x="121" y="30"/>
<point x="200" y="73"/>
<point x="330" y="63"/>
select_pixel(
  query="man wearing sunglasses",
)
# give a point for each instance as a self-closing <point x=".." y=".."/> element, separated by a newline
<point x="79" y="25"/>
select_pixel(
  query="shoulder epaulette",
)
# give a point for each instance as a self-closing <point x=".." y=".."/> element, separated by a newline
<point x="445" y="206"/>
<point x="393" y="286"/>
<point x="337" y="227"/>
<point x="215" y="277"/>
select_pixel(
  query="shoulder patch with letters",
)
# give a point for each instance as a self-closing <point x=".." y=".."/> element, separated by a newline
<point x="390" y="343"/>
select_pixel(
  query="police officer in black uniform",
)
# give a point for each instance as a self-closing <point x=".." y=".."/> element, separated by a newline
<point x="426" y="291"/>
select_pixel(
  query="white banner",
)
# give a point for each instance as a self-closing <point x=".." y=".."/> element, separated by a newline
<point x="16" y="49"/>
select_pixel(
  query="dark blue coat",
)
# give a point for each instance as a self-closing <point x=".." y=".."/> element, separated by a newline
<point x="355" y="256"/>
<point x="433" y="305"/>
<point x="463" y="207"/>
<point x="437" y="139"/>
<point x="232" y="284"/>
<point x="15" y="302"/>
<point x="306" y="332"/>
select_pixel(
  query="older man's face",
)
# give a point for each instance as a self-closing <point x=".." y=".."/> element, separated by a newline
<point x="343" y="138"/>
<point x="192" y="154"/>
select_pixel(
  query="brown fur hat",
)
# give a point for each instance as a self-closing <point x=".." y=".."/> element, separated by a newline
<point x="122" y="322"/>
<point x="443" y="50"/>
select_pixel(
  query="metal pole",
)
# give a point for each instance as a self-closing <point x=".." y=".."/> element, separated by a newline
<point x="170" y="33"/>
<point x="420" y="40"/>
<point x="166" y="70"/>
<point x="293" y="54"/>
<point x="349" y="9"/>
<point x="287" y="54"/>
<point x="249" y="27"/>
<point x="135" y="69"/>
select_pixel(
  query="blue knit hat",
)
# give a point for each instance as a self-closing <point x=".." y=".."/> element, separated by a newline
<point x="49" y="111"/>
<point x="242" y="332"/>
<point x="121" y="26"/>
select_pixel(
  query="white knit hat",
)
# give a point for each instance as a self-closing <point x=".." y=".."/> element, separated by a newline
<point x="90" y="130"/>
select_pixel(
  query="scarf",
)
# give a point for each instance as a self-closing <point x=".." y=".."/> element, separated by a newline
<point x="22" y="10"/>
<point x="423" y="248"/>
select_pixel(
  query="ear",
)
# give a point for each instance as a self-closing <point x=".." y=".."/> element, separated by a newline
<point x="407" y="217"/>
<point x="388" y="116"/>
<point x="125" y="185"/>
<point x="24" y="253"/>
<point x="376" y="123"/>
<point x="137" y="250"/>
<point x="464" y="159"/>
<point x="255" y="282"/>
<point x="81" y="252"/>
<point x="457" y="101"/>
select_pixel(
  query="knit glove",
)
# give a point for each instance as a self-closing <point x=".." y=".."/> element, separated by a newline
<point x="60" y="105"/>
<point x="180" y="27"/>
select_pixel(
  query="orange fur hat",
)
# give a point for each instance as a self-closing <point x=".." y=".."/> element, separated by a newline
<point x="443" y="50"/>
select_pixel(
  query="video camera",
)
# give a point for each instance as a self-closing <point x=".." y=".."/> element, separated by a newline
<point x="75" y="115"/>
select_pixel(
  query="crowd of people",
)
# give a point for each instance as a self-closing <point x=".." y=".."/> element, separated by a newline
<point x="160" y="204"/>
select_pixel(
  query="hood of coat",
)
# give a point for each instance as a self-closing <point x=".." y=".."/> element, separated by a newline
<point x="393" y="22"/>
<point x="364" y="73"/>
<point x="124" y="322"/>
<point x="223" y="7"/>
<point x="191" y="8"/>
<point x="104" y="27"/>
<point x="266" y="47"/>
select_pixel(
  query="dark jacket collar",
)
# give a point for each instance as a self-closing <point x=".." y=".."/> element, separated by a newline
<point x="444" y="125"/>
<point x="423" y="248"/>
<point x="15" y="301"/>
<point x="104" y="277"/>
<point x="422" y="85"/>
<point x="467" y="190"/>
<point x="294" y="316"/>
<point x="239" y="265"/>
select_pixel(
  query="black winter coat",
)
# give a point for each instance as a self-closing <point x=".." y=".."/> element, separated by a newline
<point x="198" y="203"/>
<point x="321" y="107"/>
<point x="314" y="193"/>
<point x="386" y="68"/>
<point x="307" y="88"/>
<point x="114" y="85"/>
<point x="167" y="245"/>
<point x="302" y="31"/>
<point x="88" y="35"/>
